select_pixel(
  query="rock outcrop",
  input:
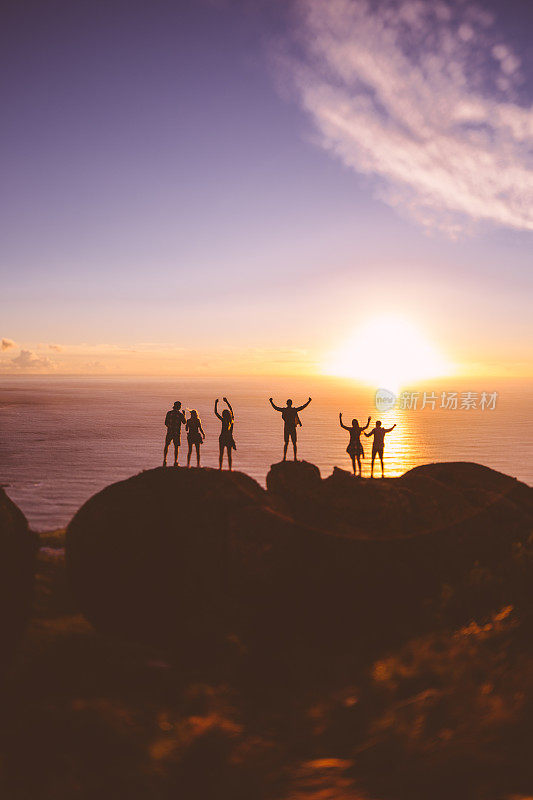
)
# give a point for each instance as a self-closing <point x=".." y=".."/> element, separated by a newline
<point x="202" y="560"/>
<point x="151" y="557"/>
<point x="17" y="564"/>
<point x="424" y="500"/>
<point x="294" y="482"/>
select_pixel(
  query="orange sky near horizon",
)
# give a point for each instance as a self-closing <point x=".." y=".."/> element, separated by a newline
<point x="357" y="355"/>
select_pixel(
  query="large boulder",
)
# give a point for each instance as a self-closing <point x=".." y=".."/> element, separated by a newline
<point x="17" y="564"/>
<point x="482" y="488"/>
<point x="152" y="557"/>
<point x="293" y="480"/>
<point x="295" y="486"/>
<point x="382" y="509"/>
<point x="426" y="499"/>
<point x="209" y="564"/>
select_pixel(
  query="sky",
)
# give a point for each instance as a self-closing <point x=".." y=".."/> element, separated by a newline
<point x="209" y="187"/>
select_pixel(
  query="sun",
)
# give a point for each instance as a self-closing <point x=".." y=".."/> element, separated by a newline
<point x="387" y="352"/>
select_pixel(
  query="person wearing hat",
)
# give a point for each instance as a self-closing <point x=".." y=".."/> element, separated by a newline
<point x="173" y="420"/>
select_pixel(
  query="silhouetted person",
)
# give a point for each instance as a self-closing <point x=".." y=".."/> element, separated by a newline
<point x="355" y="448"/>
<point x="173" y="420"/>
<point x="291" y="420"/>
<point x="225" y="440"/>
<point x="378" y="444"/>
<point x="195" y="436"/>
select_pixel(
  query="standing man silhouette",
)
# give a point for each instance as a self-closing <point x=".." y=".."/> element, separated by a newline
<point x="291" y="419"/>
<point x="173" y="420"/>
<point x="378" y="444"/>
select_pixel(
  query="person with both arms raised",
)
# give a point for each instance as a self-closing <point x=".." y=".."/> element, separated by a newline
<point x="291" y="419"/>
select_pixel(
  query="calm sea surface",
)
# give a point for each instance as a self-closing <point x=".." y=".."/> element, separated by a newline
<point x="63" y="439"/>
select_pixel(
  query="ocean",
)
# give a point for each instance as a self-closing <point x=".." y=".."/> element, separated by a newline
<point x="63" y="439"/>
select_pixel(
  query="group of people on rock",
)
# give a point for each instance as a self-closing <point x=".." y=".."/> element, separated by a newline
<point x="175" y="418"/>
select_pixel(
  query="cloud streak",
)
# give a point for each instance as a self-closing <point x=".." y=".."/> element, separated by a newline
<point x="425" y="97"/>
<point x="7" y="344"/>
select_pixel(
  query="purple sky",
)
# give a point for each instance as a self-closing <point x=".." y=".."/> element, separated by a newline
<point x="193" y="186"/>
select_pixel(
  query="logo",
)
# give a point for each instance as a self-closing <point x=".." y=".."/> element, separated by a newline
<point x="385" y="400"/>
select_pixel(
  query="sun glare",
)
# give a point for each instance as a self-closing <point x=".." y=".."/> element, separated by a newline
<point x="387" y="352"/>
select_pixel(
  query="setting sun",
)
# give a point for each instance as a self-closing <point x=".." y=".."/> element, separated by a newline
<point x="388" y="352"/>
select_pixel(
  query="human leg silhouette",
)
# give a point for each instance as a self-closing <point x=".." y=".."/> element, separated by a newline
<point x="176" y="451"/>
<point x="290" y="435"/>
<point x="168" y="439"/>
<point x="189" y="455"/>
<point x="197" y="445"/>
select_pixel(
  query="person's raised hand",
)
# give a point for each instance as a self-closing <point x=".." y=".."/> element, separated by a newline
<point x="225" y="399"/>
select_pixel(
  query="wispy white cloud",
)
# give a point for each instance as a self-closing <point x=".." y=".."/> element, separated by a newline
<point x="423" y="95"/>
<point x="55" y="347"/>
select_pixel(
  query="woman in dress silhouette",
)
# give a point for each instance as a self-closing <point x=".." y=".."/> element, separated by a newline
<point x="355" y="448"/>
<point x="225" y="440"/>
<point x="195" y="436"/>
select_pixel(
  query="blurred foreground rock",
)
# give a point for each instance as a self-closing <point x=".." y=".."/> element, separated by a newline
<point x="17" y="562"/>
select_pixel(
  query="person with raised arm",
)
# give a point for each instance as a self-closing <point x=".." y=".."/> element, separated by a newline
<point x="355" y="448"/>
<point x="291" y="419"/>
<point x="195" y="436"/>
<point x="225" y="440"/>
<point x="378" y="444"/>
